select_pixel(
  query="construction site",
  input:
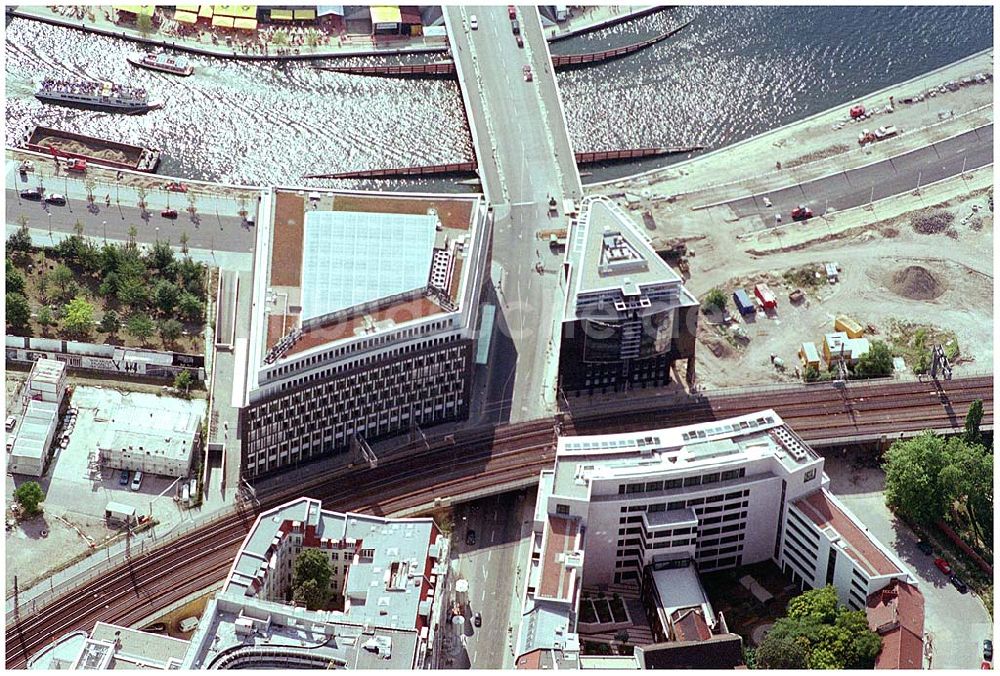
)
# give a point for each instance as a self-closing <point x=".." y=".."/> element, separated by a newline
<point x="906" y="259"/>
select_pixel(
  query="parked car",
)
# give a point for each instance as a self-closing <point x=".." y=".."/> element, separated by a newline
<point x="123" y="478"/>
<point x="56" y="199"/>
<point x="801" y="213"/>
<point x="137" y="480"/>
<point x="925" y="547"/>
<point x="474" y="22"/>
<point x="986" y="665"/>
<point x="64" y="441"/>
<point x="988" y="649"/>
<point x="176" y="187"/>
<point x="11" y="421"/>
<point x="477" y="620"/>
<point x="33" y="194"/>
<point x="527" y="73"/>
<point x="519" y="40"/>
<point x="470" y="537"/>
<point x="169" y="213"/>
<point x="958" y="584"/>
<point x="511" y="11"/>
<point x="515" y="26"/>
<point x="943" y="566"/>
<point x="188" y="624"/>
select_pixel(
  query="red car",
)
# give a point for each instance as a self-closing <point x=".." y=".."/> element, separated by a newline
<point x="511" y="11"/>
<point x="857" y="111"/>
<point x="801" y="213"/>
<point x="943" y="566"/>
<point x="176" y="187"/>
<point x="169" y="213"/>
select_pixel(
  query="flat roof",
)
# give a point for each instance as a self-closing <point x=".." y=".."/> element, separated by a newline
<point x="680" y="588"/>
<point x="33" y="433"/>
<point x="140" y="649"/>
<point x="753" y="436"/>
<point x="353" y="258"/>
<point x="47" y="370"/>
<point x="821" y="509"/>
<point x="159" y="431"/>
<point x="560" y="543"/>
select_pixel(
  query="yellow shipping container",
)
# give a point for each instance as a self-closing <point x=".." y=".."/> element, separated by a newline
<point x="848" y="326"/>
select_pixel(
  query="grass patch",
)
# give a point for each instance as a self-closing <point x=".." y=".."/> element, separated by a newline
<point x="914" y="343"/>
<point x="829" y="151"/>
<point x="810" y="276"/>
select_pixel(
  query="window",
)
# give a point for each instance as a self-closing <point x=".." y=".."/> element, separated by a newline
<point x="673" y="483"/>
<point x="810" y="475"/>
<point x="654" y="486"/>
<point x="692" y="481"/>
<point x="714" y="498"/>
<point x="671" y="506"/>
<point x="562" y="509"/>
<point x="658" y="507"/>
<point x="696" y="501"/>
<point x="710" y="478"/>
<point x="635" y="488"/>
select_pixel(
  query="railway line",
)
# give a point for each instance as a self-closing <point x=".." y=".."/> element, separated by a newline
<point x="477" y="459"/>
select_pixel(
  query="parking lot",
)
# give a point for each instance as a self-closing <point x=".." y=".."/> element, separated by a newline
<point x="955" y="623"/>
<point x="75" y="498"/>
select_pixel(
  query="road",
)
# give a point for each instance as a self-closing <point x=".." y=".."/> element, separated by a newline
<point x="893" y="176"/>
<point x="216" y="225"/>
<point x="524" y="159"/>
<point x="491" y="567"/>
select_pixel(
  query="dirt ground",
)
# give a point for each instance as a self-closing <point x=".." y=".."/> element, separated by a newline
<point x="889" y="272"/>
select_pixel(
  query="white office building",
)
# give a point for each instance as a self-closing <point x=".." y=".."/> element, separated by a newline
<point x="150" y="440"/>
<point x="713" y="495"/>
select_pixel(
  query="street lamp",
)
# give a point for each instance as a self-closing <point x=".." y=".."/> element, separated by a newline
<point x="105" y="224"/>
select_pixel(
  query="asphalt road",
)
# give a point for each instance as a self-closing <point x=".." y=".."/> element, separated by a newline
<point x="894" y="176"/>
<point x="210" y="229"/>
<point x="524" y="159"/>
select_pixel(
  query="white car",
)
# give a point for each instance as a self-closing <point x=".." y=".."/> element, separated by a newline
<point x="137" y="480"/>
<point x="473" y="22"/>
<point x="11" y="422"/>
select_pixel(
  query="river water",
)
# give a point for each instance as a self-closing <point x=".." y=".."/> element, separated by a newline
<point x="733" y="73"/>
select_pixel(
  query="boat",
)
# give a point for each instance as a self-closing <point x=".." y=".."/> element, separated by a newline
<point x="175" y="65"/>
<point x="96" y="95"/>
<point x="103" y="152"/>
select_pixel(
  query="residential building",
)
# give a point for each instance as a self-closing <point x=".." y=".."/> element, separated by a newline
<point x="628" y="317"/>
<point x="365" y="321"/>
<point x="896" y="613"/>
<point x="154" y="441"/>
<point x="650" y="508"/>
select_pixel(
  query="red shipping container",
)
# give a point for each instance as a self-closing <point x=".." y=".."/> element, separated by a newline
<point x="765" y="296"/>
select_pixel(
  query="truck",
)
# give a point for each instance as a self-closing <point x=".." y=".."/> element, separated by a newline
<point x="743" y="302"/>
<point x="766" y="297"/>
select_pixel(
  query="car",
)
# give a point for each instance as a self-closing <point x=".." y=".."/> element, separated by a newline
<point x="123" y="478"/>
<point x="943" y="566"/>
<point x="988" y="650"/>
<point x="169" y="213"/>
<point x="10" y="445"/>
<point x="474" y="22"/>
<point x="801" y="213"/>
<point x="56" y="199"/>
<point x="925" y="547"/>
<point x="958" y="584"/>
<point x="511" y="11"/>
<point x="176" y="187"/>
<point x="767" y="202"/>
<point x="515" y="26"/>
<point x="64" y="441"/>
<point x="519" y="40"/>
<point x="477" y="620"/>
<point x="188" y="624"/>
<point x="137" y="480"/>
<point x="470" y="537"/>
<point x="527" y="73"/>
<point x="33" y="194"/>
<point x="11" y="421"/>
<point x="986" y="665"/>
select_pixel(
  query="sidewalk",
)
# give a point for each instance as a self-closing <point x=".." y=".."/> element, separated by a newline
<point x="330" y="46"/>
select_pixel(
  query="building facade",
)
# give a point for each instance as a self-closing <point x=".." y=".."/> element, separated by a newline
<point x="628" y="317"/>
<point x="375" y="331"/>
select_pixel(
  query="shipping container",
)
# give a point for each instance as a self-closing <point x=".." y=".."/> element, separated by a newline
<point x="743" y="302"/>
<point x="849" y="326"/>
<point x="765" y="296"/>
<point x="809" y="355"/>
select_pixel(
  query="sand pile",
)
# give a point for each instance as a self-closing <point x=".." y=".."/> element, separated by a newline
<point x="916" y="283"/>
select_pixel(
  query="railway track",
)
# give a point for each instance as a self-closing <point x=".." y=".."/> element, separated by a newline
<point x="473" y="460"/>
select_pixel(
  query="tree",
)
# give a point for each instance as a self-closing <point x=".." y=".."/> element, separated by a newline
<point x="973" y="419"/>
<point x="192" y="276"/>
<point x="18" y="311"/>
<point x="715" y="299"/>
<point x="109" y="286"/>
<point x="182" y="381"/>
<point x="61" y="278"/>
<point x="184" y="242"/>
<point x="111" y="323"/>
<point x="170" y="330"/>
<point x="876" y="363"/>
<point x="818" y="633"/>
<point x="165" y="296"/>
<point x="79" y="317"/>
<point x="191" y="308"/>
<point x="279" y="37"/>
<point x="926" y="475"/>
<point x="78" y="228"/>
<point x="15" y="280"/>
<point x="29" y="495"/>
<point x="311" y="579"/>
<point x="140" y="326"/>
<point x="44" y="318"/>
<point x="133" y="292"/>
<point x="132" y="232"/>
<point x="161" y="257"/>
<point x="145" y="24"/>
<point x="141" y="194"/>
<point x="20" y="240"/>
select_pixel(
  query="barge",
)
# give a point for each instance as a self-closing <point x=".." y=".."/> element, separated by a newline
<point x="95" y="150"/>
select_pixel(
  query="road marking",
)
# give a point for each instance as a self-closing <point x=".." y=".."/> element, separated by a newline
<point x="483" y="596"/>
<point x="493" y="537"/>
<point x="489" y="555"/>
<point x="522" y="204"/>
<point x="486" y="574"/>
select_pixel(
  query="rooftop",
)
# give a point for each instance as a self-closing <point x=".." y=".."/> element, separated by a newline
<point x="609" y="253"/>
<point x="679" y="589"/>
<point x="153" y="430"/>
<point x="47" y="370"/>
<point x="733" y="441"/>
<point x="114" y="647"/>
<point x="823" y="511"/>
<point x="33" y="433"/>
<point x="560" y="559"/>
<point x="897" y="614"/>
